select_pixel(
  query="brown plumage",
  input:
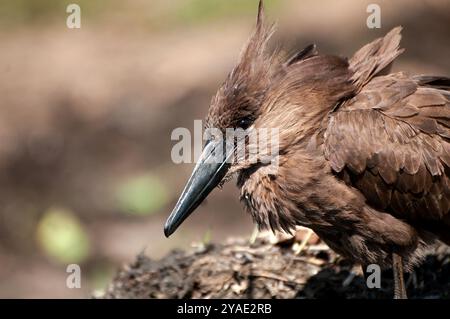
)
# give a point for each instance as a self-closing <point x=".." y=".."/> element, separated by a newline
<point x="364" y="154"/>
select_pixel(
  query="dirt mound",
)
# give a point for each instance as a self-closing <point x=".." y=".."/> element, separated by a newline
<point x="261" y="270"/>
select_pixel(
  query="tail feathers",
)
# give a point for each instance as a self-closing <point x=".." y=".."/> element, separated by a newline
<point x="376" y="57"/>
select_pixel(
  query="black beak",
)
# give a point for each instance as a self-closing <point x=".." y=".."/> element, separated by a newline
<point x="211" y="168"/>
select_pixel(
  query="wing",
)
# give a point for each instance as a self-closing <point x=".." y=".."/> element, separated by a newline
<point x="391" y="141"/>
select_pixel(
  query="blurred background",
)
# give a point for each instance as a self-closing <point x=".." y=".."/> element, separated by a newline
<point x="86" y="117"/>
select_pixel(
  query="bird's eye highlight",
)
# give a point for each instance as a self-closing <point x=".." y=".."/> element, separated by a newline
<point x="245" y="122"/>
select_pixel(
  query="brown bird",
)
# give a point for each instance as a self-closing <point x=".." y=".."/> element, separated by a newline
<point x="364" y="154"/>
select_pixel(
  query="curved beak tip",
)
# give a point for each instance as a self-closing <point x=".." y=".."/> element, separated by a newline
<point x="167" y="230"/>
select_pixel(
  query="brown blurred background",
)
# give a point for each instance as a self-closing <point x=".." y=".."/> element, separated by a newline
<point x="86" y="117"/>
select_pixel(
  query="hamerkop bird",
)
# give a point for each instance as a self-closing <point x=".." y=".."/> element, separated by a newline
<point x="364" y="154"/>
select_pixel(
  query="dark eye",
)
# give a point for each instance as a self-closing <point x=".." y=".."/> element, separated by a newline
<point x="245" y="122"/>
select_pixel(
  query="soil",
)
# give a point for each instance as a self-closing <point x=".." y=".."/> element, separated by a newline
<point x="238" y="269"/>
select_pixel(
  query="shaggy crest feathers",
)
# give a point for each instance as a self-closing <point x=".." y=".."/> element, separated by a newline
<point x="244" y="89"/>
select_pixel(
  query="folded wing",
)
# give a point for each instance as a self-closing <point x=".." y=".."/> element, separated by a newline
<point x="391" y="141"/>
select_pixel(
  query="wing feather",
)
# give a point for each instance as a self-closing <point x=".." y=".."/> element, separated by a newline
<point x="392" y="140"/>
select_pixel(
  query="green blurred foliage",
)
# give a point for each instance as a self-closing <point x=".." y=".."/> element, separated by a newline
<point x="194" y="11"/>
<point x="142" y="195"/>
<point x="38" y="11"/>
<point x="23" y="11"/>
<point x="152" y="13"/>
<point x="62" y="237"/>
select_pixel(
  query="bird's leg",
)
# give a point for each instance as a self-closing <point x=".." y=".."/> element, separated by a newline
<point x="399" y="283"/>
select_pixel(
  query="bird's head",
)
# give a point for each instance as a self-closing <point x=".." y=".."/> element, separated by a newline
<point x="234" y="109"/>
<point x="271" y="105"/>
